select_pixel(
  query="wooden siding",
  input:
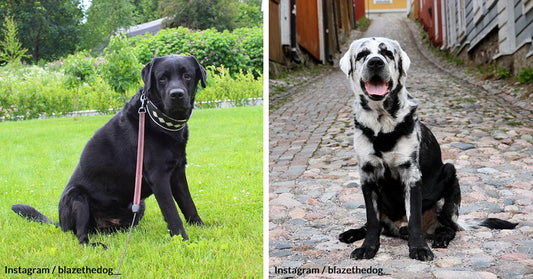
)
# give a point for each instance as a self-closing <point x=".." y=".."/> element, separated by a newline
<point x="310" y="27"/>
<point x="275" y="49"/>
<point x="359" y="9"/>
<point x="523" y="24"/>
<point x="395" y="5"/>
<point x="307" y="29"/>
<point x="482" y="31"/>
<point x="481" y="24"/>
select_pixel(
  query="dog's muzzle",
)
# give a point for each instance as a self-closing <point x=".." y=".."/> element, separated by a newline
<point x="376" y="79"/>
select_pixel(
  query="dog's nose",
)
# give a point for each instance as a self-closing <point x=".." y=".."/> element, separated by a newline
<point x="375" y="63"/>
<point x="177" y="93"/>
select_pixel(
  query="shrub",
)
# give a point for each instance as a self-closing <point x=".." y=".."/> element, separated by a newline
<point x="241" y="90"/>
<point x="81" y="82"/>
<point x="526" y="76"/>
<point x="251" y="40"/>
<point x="79" y="68"/>
<point x="240" y="50"/>
<point x="33" y="92"/>
<point x="121" y="69"/>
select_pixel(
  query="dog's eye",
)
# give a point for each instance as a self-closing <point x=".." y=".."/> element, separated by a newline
<point x="162" y="79"/>
<point x="386" y="53"/>
<point x="187" y="76"/>
<point x="362" y="55"/>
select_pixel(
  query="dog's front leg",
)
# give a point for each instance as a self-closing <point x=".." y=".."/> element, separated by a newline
<point x="160" y="185"/>
<point x="418" y="248"/>
<point x="180" y="191"/>
<point x="371" y="244"/>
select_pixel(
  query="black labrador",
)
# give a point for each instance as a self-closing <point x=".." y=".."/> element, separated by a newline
<point x="99" y="195"/>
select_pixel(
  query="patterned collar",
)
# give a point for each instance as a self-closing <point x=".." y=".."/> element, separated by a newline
<point x="162" y="120"/>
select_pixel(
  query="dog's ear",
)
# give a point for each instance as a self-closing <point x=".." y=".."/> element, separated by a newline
<point x="146" y="74"/>
<point x="347" y="61"/>
<point x="200" y="71"/>
<point x="405" y="62"/>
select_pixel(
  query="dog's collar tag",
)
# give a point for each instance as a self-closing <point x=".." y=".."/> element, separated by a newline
<point x="162" y="120"/>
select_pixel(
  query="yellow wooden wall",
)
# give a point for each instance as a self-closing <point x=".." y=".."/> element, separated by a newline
<point x="395" y="5"/>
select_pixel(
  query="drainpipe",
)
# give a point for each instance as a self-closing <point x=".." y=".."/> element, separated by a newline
<point x="326" y="31"/>
<point x="294" y="56"/>
<point x="354" y="15"/>
<point x="336" y="27"/>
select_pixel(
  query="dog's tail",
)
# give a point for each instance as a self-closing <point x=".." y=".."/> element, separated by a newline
<point x="491" y="223"/>
<point x="31" y="214"/>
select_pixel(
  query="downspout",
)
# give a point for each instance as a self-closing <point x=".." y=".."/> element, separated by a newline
<point x="326" y="31"/>
<point x="336" y="27"/>
<point x="354" y="15"/>
<point x="294" y="56"/>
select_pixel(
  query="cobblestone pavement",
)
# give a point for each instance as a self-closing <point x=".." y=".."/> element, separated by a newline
<point x="314" y="181"/>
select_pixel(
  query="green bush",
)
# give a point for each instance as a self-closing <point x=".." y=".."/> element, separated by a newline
<point x="526" y="76"/>
<point x="242" y="89"/>
<point x="33" y="92"/>
<point x="251" y="40"/>
<point x="28" y="92"/>
<point x="240" y="50"/>
<point x="79" y="68"/>
<point x="81" y="82"/>
<point x="121" y="69"/>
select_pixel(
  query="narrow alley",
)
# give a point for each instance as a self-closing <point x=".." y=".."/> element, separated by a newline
<point x="314" y="181"/>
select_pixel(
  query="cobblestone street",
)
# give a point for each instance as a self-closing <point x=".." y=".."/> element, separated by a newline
<point x="484" y="128"/>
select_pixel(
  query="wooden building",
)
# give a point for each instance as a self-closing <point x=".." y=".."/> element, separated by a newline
<point x="481" y="31"/>
<point x="386" y="6"/>
<point x="318" y="27"/>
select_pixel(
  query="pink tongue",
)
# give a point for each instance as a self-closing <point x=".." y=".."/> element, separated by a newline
<point x="377" y="88"/>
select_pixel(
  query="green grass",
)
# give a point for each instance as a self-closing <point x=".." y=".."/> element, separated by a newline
<point x="225" y="179"/>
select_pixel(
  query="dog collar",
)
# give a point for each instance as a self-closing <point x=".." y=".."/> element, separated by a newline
<point x="162" y="120"/>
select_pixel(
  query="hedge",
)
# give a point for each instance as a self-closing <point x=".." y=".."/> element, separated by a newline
<point x="241" y="50"/>
<point x="82" y="82"/>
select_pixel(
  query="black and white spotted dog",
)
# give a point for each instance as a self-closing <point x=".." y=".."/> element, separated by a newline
<point x="408" y="191"/>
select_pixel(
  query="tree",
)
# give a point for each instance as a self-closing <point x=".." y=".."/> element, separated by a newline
<point x="104" y="18"/>
<point x="11" y="50"/>
<point x="249" y="15"/>
<point x="200" y="14"/>
<point x="146" y="10"/>
<point x="48" y="29"/>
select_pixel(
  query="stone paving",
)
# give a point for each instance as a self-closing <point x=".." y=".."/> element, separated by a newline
<point x="314" y="181"/>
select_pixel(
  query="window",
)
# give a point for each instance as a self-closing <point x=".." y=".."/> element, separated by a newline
<point x="382" y="1"/>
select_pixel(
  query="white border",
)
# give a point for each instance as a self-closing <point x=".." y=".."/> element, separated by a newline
<point x="265" y="6"/>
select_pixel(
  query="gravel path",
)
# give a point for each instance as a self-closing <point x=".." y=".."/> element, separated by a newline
<point x="484" y="128"/>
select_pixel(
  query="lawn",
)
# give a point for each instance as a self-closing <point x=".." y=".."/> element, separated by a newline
<point x="225" y="179"/>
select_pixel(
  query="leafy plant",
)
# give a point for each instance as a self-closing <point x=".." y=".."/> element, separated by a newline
<point x="240" y="50"/>
<point x="363" y="23"/>
<point x="121" y="69"/>
<point x="502" y="73"/>
<point x="241" y="90"/>
<point x="526" y="76"/>
<point x="79" y="68"/>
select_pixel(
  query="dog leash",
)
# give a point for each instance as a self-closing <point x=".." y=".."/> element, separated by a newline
<point x="138" y="175"/>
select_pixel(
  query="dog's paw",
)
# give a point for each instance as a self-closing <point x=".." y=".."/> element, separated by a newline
<point x="351" y="236"/>
<point x="440" y="242"/>
<point x="420" y="253"/>
<point x="195" y="221"/>
<point x="442" y="237"/>
<point x="364" y="252"/>
<point x="96" y="244"/>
